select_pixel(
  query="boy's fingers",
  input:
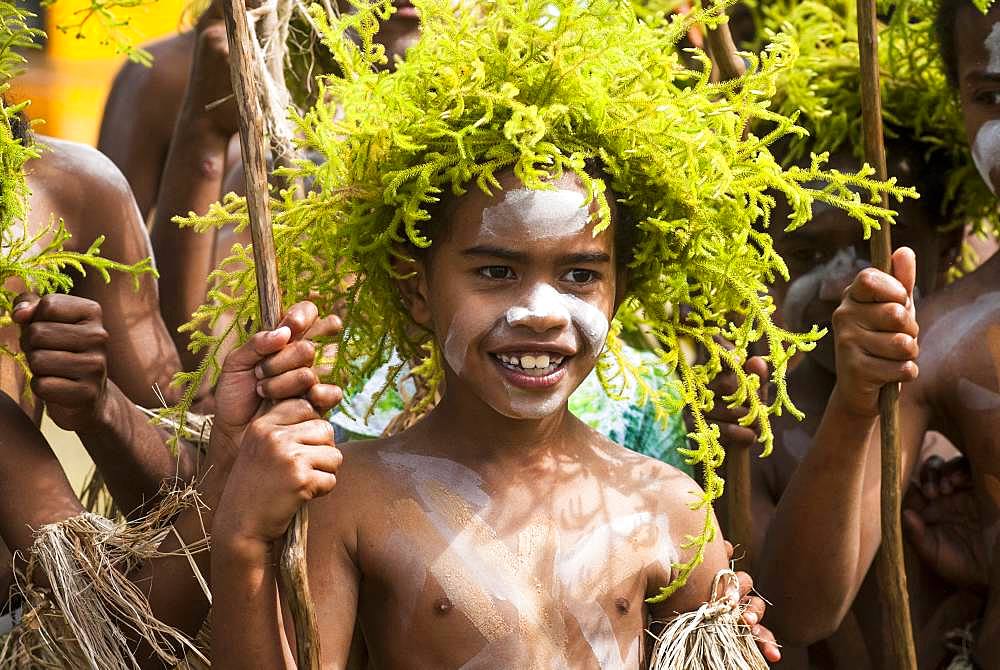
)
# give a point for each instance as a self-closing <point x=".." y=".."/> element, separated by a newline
<point x="297" y="354"/>
<point x="873" y="286"/>
<point x="300" y="318"/>
<point x="254" y="350"/>
<point x="325" y="458"/>
<point x="732" y="435"/>
<point x="881" y="371"/>
<point x="327" y="326"/>
<point x="59" y="391"/>
<point x="757" y="366"/>
<point x="65" y="364"/>
<point x="291" y="384"/>
<point x="887" y="318"/>
<point x="916" y="532"/>
<point x="63" y="336"/>
<point x="904" y="268"/>
<point x="316" y="432"/>
<point x="24" y="307"/>
<point x="766" y="643"/>
<point x="753" y="611"/>
<point x="291" y="412"/>
<point x="930" y="476"/>
<point x="324" y="397"/>
<point x="892" y="346"/>
<point x="62" y="308"/>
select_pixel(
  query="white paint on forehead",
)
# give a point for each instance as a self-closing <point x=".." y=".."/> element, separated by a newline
<point x="526" y="214"/>
<point x="992" y="44"/>
<point x="986" y="151"/>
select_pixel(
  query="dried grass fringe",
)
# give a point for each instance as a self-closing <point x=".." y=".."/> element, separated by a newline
<point x="81" y="611"/>
<point x="711" y="638"/>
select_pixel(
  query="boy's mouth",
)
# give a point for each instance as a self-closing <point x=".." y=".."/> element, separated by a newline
<point x="532" y="369"/>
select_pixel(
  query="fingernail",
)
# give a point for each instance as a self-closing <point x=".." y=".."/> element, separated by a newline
<point x="21" y="305"/>
<point x="258" y="372"/>
<point x="260" y="389"/>
<point x="282" y="333"/>
<point x="751" y="617"/>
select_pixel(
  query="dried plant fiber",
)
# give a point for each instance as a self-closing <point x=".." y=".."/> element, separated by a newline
<point x="81" y="610"/>
<point x="713" y="637"/>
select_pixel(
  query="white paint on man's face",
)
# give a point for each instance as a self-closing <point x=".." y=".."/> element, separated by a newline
<point x="986" y="151"/>
<point x="992" y="44"/>
<point x="529" y="214"/>
<point x="544" y="304"/>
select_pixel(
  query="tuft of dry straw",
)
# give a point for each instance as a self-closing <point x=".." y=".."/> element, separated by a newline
<point x="81" y="610"/>
<point x="713" y="637"/>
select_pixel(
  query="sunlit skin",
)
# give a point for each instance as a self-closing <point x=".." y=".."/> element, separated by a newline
<point x="819" y="283"/>
<point x="486" y="532"/>
<point x="956" y="394"/>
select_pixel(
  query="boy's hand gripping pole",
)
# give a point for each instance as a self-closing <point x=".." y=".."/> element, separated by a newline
<point x="293" y="555"/>
<point x="738" y="514"/>
<point x="891" y="569"/>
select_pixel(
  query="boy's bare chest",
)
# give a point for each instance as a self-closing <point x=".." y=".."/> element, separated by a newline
<point x="534" y="582"/>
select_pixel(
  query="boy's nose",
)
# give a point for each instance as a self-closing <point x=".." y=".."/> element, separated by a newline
<point x="542" y="309"/>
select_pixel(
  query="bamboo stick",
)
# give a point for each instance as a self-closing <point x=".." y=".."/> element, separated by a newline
<point x="292" y="566"/>
<point x="738" y="513"/>
<point x="891" y="569"/>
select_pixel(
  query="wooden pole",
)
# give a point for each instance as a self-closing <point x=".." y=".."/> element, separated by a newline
<point x="292" y="566"/>
<point x="738" y="512"/>
<point x="891" y="569"/>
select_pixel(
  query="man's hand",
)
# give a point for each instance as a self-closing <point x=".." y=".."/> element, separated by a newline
<point x="273" y="365"/>
<point x="943" y="523"/>
<point x="286" y="459"/>
<point x="65" y="342"/>
<point x="209" y="98"/>
<point x="731" y="434"/>
<point x="753" y="611"/>
<point x="876" y="334"/>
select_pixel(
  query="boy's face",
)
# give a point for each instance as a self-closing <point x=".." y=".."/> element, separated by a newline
<point x="824" y="256"/>
<point x="977" y="53"/>
<point x="519" y="294"/>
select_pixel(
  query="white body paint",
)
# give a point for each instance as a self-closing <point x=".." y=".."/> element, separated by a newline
<point x="536" y="214"/>
<point x="545" y="302"/>
<point x="485" y="575"/>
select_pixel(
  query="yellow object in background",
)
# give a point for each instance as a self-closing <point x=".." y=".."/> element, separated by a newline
<point x="69" y="80"/>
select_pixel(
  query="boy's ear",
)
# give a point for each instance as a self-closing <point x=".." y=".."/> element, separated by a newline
<point x="622" y="276"/>
<point x="413" y="289"/>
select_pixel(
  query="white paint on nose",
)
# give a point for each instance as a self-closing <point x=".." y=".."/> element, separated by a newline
<point x="542" y="303"/>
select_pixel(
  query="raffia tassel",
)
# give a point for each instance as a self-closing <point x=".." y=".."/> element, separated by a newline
<point x="713" y="637"/>
<point x="80" y="609"/>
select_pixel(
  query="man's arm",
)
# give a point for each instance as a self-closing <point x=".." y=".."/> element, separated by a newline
<point x="826" y="528"/>
<point x="139" y="116"/>
<point x="192" y="180"/>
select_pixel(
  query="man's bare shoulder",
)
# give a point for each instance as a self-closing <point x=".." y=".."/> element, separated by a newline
<point x="76" y="176"/>
<point x="168" y="74"/>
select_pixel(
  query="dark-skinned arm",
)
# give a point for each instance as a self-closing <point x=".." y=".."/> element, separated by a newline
<point x="826" y="528"/>
<point x="192" y="180"/>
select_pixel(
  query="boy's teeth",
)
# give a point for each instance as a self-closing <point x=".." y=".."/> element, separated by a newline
<point x="531" y="361"/>
<point x="541" y="361"/>
<point x="528" y="362"/>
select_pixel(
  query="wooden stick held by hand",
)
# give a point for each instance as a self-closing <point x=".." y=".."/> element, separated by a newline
<point x="295" y="584"/>
<point x="738" y="514"/>
<point x="891" y="569"/>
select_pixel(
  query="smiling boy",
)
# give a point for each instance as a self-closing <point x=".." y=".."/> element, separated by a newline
<point x="496" y="220"/>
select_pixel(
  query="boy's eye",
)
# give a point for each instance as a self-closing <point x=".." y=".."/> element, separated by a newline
<point x="497" y="272"/>
<point x="580" y="276"/>
<point x="990" y="97"/>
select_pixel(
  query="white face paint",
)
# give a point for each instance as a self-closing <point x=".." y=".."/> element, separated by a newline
<point x="986" y="147"/>
<point x="804" y="289"/>
<point x="532" y="214"/>
<point x="986" y="151"/>
<point x="545" y="302"/>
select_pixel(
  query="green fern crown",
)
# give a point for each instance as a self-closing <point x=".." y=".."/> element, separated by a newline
<point x="918" y="102"/>
<point x="542" y="87"/>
